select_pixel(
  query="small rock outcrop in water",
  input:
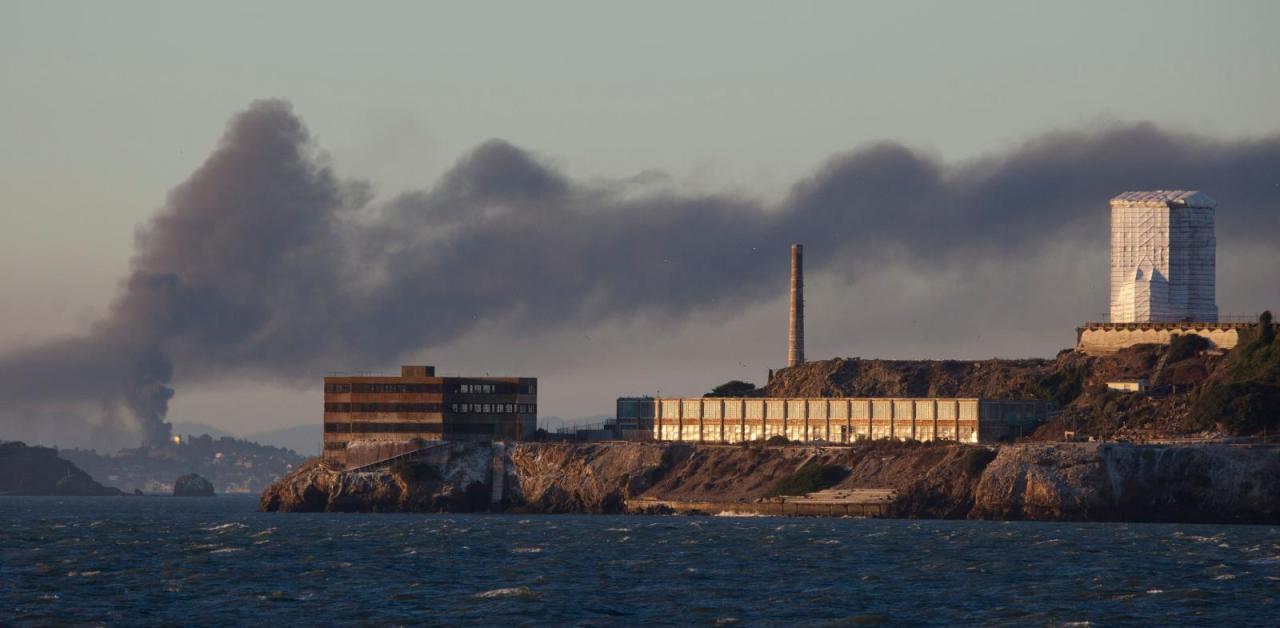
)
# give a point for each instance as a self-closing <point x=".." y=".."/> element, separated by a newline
<point x="192" y="485"/>
<point x="1067" y="482"/>
<point x="39" y="471"/>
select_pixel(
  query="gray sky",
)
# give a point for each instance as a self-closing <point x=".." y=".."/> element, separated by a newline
<point x="105" y="107"/>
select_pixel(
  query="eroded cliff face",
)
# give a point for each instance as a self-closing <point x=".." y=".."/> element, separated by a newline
<point x="1111" y="482"/>
<point x="453" y="478"/>
<point x="1120" y="482"/>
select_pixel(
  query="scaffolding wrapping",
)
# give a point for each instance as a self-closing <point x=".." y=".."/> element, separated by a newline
<point x="1163" y="256"/>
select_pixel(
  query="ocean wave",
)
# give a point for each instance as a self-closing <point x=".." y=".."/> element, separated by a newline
<point x="226" y="526"/>
<point x="507" y="592"/>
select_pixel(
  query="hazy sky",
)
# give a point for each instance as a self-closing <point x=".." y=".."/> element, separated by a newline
<point x="105" y="107"/>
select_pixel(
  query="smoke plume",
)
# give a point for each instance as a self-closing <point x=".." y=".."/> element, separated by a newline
<point x="266" y="263"/>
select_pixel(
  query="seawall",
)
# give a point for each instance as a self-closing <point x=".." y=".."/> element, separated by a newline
<point x="1050" y="482"/>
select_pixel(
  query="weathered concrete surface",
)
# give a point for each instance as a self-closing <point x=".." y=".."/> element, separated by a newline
<point x="1042" y="482"/>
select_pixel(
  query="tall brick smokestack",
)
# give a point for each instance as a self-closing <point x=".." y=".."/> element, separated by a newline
<point x="795" y="328"/>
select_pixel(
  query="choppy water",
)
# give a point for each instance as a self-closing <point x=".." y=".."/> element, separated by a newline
<point x="216" y="561"/>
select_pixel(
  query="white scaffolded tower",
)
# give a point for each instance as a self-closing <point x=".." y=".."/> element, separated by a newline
<point x="1163" y="254"/>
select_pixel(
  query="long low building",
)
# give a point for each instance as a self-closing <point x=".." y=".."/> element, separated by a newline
<point x="835" y="420"/>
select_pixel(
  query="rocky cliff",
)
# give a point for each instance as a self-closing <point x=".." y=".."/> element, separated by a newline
<point x="1111" y="482"/>
<point x="28" y="470"/>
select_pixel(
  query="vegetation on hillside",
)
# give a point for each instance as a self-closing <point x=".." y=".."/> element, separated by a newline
<point x="807" y="479"/>
<point x="1247" y="399"/>
<point x="1183" y="346"/>
<point x="1062" y="386"/>
<point x="733" y="388"/>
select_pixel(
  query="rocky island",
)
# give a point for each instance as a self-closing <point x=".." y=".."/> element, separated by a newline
<point x="1049" y="482"/>
<point x="192" y="485"/>
<point x="1171" y="453"/>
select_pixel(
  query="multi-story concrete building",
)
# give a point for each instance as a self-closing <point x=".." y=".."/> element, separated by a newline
<point x="840" y="420"/>
<point x="370" y="418"/>
<point x="1163" y="253"/>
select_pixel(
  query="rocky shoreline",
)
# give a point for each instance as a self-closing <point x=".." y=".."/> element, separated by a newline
<point x="1046" y="482"/>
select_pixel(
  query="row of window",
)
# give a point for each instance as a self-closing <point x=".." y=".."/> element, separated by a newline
<point x="383" y="407"/>
<point x="478" y="408"/>
<point x="495" y="408"/>
<point x="383" y="388"/>
<point x="365" y="427"/>
<point x="498" y="388"/>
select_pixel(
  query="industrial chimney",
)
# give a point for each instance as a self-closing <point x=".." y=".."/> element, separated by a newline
<point x="795" y="327"/>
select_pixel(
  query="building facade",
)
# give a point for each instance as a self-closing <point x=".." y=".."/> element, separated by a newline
<point x="843" y="420"/>
<point x="1163" y="257"/>
<point x="371" y="418"/>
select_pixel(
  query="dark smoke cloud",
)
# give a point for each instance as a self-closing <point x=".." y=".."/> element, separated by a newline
<point x="266" y="263"/>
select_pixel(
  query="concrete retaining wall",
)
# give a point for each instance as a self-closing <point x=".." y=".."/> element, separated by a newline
<point x="1103" y="338"/>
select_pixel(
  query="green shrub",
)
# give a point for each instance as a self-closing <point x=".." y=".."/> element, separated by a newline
<point x="734" y="388"/>
<point x="1062" y="386"/>
<point x="777" y="440"/>
<point x="1256" y="355"/>
<point x="807" y="479"/>
<point x="1183" y="346"/>
<point x="1241" y="407"/>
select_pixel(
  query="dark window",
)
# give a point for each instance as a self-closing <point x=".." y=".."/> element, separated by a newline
<point x="383" y="407"/>
<point x="469" y="428"/>
<point x="366" y="427"/>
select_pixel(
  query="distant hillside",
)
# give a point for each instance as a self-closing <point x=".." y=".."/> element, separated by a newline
<point x="232" y="465"/>
<point x="303" y="439"/>
<point x="193" y="428"/>
<point x="39" y="471"/>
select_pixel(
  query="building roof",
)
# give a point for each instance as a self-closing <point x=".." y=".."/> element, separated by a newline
<point x="1170" y="198"/>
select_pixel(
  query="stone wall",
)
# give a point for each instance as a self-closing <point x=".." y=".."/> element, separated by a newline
<point x="1103" y="338"/>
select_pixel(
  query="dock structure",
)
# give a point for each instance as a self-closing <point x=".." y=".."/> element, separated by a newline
<point x="844" y="420"/>
<point x="856" y="502"/>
